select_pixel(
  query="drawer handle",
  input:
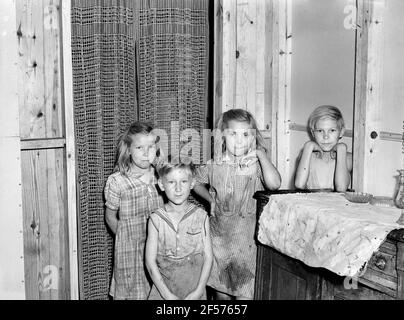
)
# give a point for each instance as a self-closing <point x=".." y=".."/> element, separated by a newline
<point x="381" y="263"/>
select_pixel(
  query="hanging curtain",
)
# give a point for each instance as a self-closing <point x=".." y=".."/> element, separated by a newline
<point x="173" y="59"/>
<point x="133" y="59"/>
<point x="104" y="89"/>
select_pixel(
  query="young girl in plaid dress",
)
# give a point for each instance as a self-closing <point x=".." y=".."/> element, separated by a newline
<point x="239" y="169"/>
<point x="131" y="196"/>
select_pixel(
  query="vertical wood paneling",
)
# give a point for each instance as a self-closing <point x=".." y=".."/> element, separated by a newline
<point x="45" y="217"/>
<point x="39" y="72"/>
<point x="281" y="68"/>
<point x="243" y="58"/>
<point x="67" y="71"/>
<point x="11" y="235"/>
<point x="218" y="60"/>
<point x="11" y="216"/>
<point x="367" y="92"/>
<point x="266" y="114"/>
<point x="51" y="68"/>
<point x="45" y="226"/>
<point x="246" y="55"/>
<point x="261" y="61"/>
<point x="391" y="98"/>
<point x="229" y="54"/>
<point x="246" y="38"/>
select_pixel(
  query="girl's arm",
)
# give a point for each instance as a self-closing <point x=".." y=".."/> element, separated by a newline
<point x="302" y="172"/>
<point x="342" y="176"/>
<point x="111" y="218"/>
<point x="151" y="264"/>
<point x="207" y="264"/>
<point x="272" y="178"/>
<point x="202" y="191"/>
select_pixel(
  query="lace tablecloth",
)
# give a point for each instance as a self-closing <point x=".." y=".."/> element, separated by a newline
<point x="326" y="230"/>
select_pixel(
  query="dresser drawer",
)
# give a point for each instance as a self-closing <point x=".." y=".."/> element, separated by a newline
<point x="381" y="272"/>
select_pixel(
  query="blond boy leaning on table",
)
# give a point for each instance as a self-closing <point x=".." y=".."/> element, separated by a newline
<point x="325" y="162"/>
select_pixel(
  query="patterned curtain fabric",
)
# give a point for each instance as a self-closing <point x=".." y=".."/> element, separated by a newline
<point x="104" y="86"/>
<point x="132" y="59"/>
<point x="173" y="65"/>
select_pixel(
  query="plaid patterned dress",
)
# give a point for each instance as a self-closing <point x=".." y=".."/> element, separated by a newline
<point x="233" y="227"/>
<point x="135" y="200"/>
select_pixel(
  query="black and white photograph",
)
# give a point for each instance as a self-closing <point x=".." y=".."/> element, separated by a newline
<point x="230" y="152"/>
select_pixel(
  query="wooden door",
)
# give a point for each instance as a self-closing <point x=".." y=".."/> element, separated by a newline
<point x="282" y="278"/>
<point x="43" y="150"/>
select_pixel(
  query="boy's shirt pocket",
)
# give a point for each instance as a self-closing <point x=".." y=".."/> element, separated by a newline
<point x="186" y="240"/>
<point x="194" y="230"/>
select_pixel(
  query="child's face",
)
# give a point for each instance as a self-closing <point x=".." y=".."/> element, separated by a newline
<point x="327" y="133"/>
<point x="239" y="138"/>
<point x="143" y="150"/>
<point x="177" y="185"/>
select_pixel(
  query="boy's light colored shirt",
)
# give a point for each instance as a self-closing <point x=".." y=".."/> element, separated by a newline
<point x="182" y="240"/>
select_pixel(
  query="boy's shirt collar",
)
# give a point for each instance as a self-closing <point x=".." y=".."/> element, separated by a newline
<point x="191" y="209"/>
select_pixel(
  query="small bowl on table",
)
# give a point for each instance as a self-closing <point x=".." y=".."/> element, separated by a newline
<point x="358" y="197"/>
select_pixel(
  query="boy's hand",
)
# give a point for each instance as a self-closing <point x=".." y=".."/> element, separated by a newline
<point x="340" y="147"/>
<point x="313" y="146"/>
<point x="337" y="149"/>
<point x="194" y="295"/>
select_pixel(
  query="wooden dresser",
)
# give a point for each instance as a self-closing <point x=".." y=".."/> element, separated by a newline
<point x="280" y="277"/>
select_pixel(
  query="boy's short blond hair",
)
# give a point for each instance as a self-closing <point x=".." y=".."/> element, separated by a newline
<point x="166" y="168"/>
<point x="323" y="112"/>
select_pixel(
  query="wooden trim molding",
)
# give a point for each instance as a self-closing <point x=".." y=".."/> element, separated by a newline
<point x="67" y="72"/>
<point x="50" y="143"/>
<point x="217" y="61"/>
<point x="281" y="80"/>
<point x="384" y="135"/>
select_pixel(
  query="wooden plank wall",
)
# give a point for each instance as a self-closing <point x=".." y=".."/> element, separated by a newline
<point x="71" y="191"/>
<point x="11" y="235"/>
<point x="280" y="83"/>
<point x="243" y="57"/>
<point x="45" y="224"/>
<point x="253" y="49"/>
<point x="370" y="16"/>
<point x="379" y="90"/>
<point x="39" y="52"/>
<point x="252" y="65"/>
<point x="43" y="158"/>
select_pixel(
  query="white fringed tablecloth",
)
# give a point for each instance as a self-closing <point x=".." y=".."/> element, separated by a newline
<point x="326" y="230"/>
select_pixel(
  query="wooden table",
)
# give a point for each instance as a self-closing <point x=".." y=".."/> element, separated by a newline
<point x="280" y="277"/>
